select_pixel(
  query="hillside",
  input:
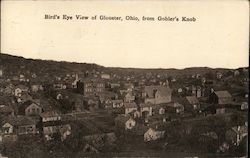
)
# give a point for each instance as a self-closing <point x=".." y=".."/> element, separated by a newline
<point x="15" y="64"/>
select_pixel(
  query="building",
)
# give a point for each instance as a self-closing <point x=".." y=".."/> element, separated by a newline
<point x="50" y="116"/>
<point x="146" y="109"/>
<point x="153" y="134"/>
<point x="6" y="110"/>
<point x="91" y="86"/>
<point x="125" y="122"/>
<point x="236" y="134"/>
<point x="175" y="107"/>
<point x="20" y="125"/>
<point x="130" y="107"/>
<point x="117" y="103"/>
<point x="20" y="89"/>
<point x="105" y="76"/>
<point x="220" y="97"/>
<point x="36" y="87"/>
<point x="52" y="124"/>
<point x="129" y="97"/>
<point x="191" y="103"/>
<point x="157" y="94"/>
<point x="30" y="108"/>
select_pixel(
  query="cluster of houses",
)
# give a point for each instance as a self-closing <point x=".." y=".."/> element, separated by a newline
<point x="139" y="107"/>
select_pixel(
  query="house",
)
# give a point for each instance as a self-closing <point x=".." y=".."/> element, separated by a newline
<point x="114" y="85"/>
<point x="145" y="109"/>
<point x="219" y="75"/>
<point x="117" y="103"/>
<point x="91" y="86"/>
<point x="129" y="87"/>
<point x="52" y="123"/>
<point x="244" y="106"/>
<point x="107" y="95"/>
<point x="65" y="131"/>
<point x="105" y="76"/>
<point x="74" y="83"/>
<point x="59" y="85"/>
<point x="153" y="134"/>
<point x="236" y="134"/>
<point x="129" y="97"/>
<point x="24" y="97"/>
<point x="53" y="127"/>
<point x="159" y="109"/>
<point x="36" y="87"/>
<point x="20" y="89"/>
<point x="9" y="89"/>
<point x="20" y="125"/>
<point x="157" y="94"/>
<point x="175" y="107"/>
<point x="6" y="110"/>
<point x="91" y="103"/>
<point x="125" y="122"/>
<point x="22" y="78"/>
<point x="220" y="97"/>
<point x="130" y="107"/>
<point x="191" y="103"/>
<point x="30" y="108"/>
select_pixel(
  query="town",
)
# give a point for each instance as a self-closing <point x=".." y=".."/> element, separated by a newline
<point x="62" y="109"/>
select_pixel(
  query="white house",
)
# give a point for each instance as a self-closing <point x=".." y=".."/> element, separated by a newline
<point x="125" y="121"/>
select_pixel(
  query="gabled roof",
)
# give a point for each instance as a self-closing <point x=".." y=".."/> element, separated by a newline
<point x="192" y="100"/>
<point x="222" y="94"/>
<point x="25" y="105"/>
<point x="130" y="105"/>
<point x="162" y="90"/>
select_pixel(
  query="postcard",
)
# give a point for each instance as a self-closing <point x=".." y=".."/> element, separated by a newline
<point x="124" y="78"/>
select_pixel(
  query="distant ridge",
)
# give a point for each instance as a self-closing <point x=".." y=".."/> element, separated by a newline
<point x="14" y="63"/>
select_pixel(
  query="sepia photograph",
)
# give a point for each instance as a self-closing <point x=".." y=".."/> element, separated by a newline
<point x="124" y="78"/>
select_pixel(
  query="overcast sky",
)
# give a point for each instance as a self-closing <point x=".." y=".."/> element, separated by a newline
<point x="218" y="38"/>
